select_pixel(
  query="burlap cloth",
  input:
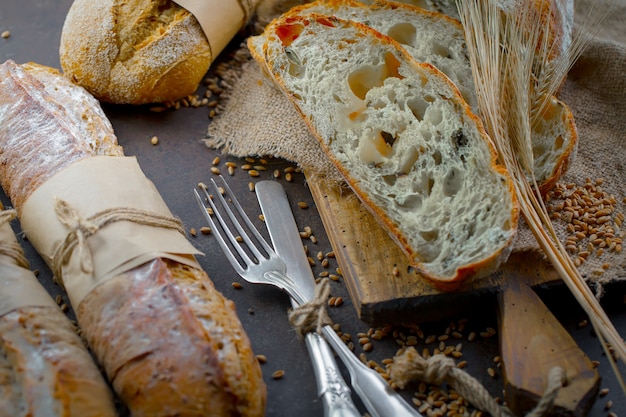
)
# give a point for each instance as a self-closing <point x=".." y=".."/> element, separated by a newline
<point x="257" y="120"/>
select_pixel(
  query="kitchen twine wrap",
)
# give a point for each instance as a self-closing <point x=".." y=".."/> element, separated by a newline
<point x="82" y="229"/>
<point x="19" y="287"/>
<point x="86" y="239"/>
<point x="9" y="247"/>
<point x="312" y="316"/>
<point x="437" y="369"/>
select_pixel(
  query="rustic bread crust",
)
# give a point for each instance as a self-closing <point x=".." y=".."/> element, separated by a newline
<point x="169" y="342"/>
<point x="134" y="52"/>
<point x="45" y="368"/>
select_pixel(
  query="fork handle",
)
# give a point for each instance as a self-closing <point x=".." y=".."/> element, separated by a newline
<point x="377" y="395"/>
<point x="332" y="388"/>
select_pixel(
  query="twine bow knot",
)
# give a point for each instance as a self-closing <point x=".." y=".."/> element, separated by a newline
<point x="312" y="316"/>
<point x="80" y="229"/>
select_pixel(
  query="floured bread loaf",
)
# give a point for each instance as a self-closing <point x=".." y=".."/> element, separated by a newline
<point x="45" y="369"/>
<point x="404" y="139"/>
<point x="168" y="341"/>
<point x="134" y="52"/>
<point x="439" y="40"/>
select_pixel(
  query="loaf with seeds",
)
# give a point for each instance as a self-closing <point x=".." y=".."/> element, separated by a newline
<point x="404" y="139"/>
<point x="168" y="341"/>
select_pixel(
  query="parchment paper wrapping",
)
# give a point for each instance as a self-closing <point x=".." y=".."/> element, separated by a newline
<point x="220" y="19"/>
<point x="18" y="286"/>
<point x="91" y="186"/>
<point x="258" y="120"/>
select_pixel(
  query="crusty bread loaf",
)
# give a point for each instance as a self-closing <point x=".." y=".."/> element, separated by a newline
<point x="169" y="342"/>
<point x="134" y="52"/>
<point x="45" y="369"/>
<point x="439" y="40"/>
<point x="404" y="139"/>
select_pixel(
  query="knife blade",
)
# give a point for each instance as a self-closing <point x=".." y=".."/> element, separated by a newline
<point x="376" y="394"/>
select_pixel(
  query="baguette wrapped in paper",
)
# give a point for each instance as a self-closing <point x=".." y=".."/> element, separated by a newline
<point x="168" y="341"/>
<point x="45" y="369"/>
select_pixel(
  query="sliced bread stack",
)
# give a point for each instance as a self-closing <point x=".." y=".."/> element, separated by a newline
<point x="404" y="138"/>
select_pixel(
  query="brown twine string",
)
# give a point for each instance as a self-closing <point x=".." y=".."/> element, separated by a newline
<point x="312" y="316"/>
<point x="12" y="249"/>
<point x="81" y="229"/>
<point x="410" y="365"/>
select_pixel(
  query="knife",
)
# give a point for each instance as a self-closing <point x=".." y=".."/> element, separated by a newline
<point x="331" y="386"/>
<point x="375" y="393"/>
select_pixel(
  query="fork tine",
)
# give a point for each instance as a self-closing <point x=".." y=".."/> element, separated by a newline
<point x="255" y="232"/>
<point x="220" y="239"/>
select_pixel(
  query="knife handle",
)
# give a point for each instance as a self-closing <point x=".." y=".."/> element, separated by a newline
<point x="378" y="397"/>
<point x="332" y="388"/>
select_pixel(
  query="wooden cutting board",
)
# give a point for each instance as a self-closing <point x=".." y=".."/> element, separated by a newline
<point x="385" y="290"/>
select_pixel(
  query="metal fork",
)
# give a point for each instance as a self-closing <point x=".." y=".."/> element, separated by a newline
<point x="267" y="268"/>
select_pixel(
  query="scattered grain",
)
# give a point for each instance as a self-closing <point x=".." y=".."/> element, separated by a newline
<point x="278" y="374"/>
<point x="237" y="285"/>
<point x="261" y="359"/>
<point x="6" y="34"/>
<point x="154" y="140"/>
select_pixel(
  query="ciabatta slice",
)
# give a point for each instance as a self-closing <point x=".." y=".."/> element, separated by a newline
<point x="404" y="139"/>
<point x="439" y="40"/>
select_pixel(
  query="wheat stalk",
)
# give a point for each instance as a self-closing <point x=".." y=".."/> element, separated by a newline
<point x="514" y="76"/>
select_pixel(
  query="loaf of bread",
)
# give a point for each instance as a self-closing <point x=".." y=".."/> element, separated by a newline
<point x="439" y="40"/>
<point x="134" y="52"/>
<point x="168" y="341"/>
<point x="45" y="368"/>
<point x="404" y="139"/>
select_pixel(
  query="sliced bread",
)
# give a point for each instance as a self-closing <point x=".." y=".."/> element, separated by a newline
<point x="404" y="139"/>
<point x="439" y="40"/>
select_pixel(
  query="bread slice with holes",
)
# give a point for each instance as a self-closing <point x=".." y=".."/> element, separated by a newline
<point x="404" y="139"/>
<point x="439" y="40"/>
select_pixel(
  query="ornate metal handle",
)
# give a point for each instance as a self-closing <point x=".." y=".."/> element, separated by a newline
<point x="377" y="396"/>
<point x="331" y="386"/>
